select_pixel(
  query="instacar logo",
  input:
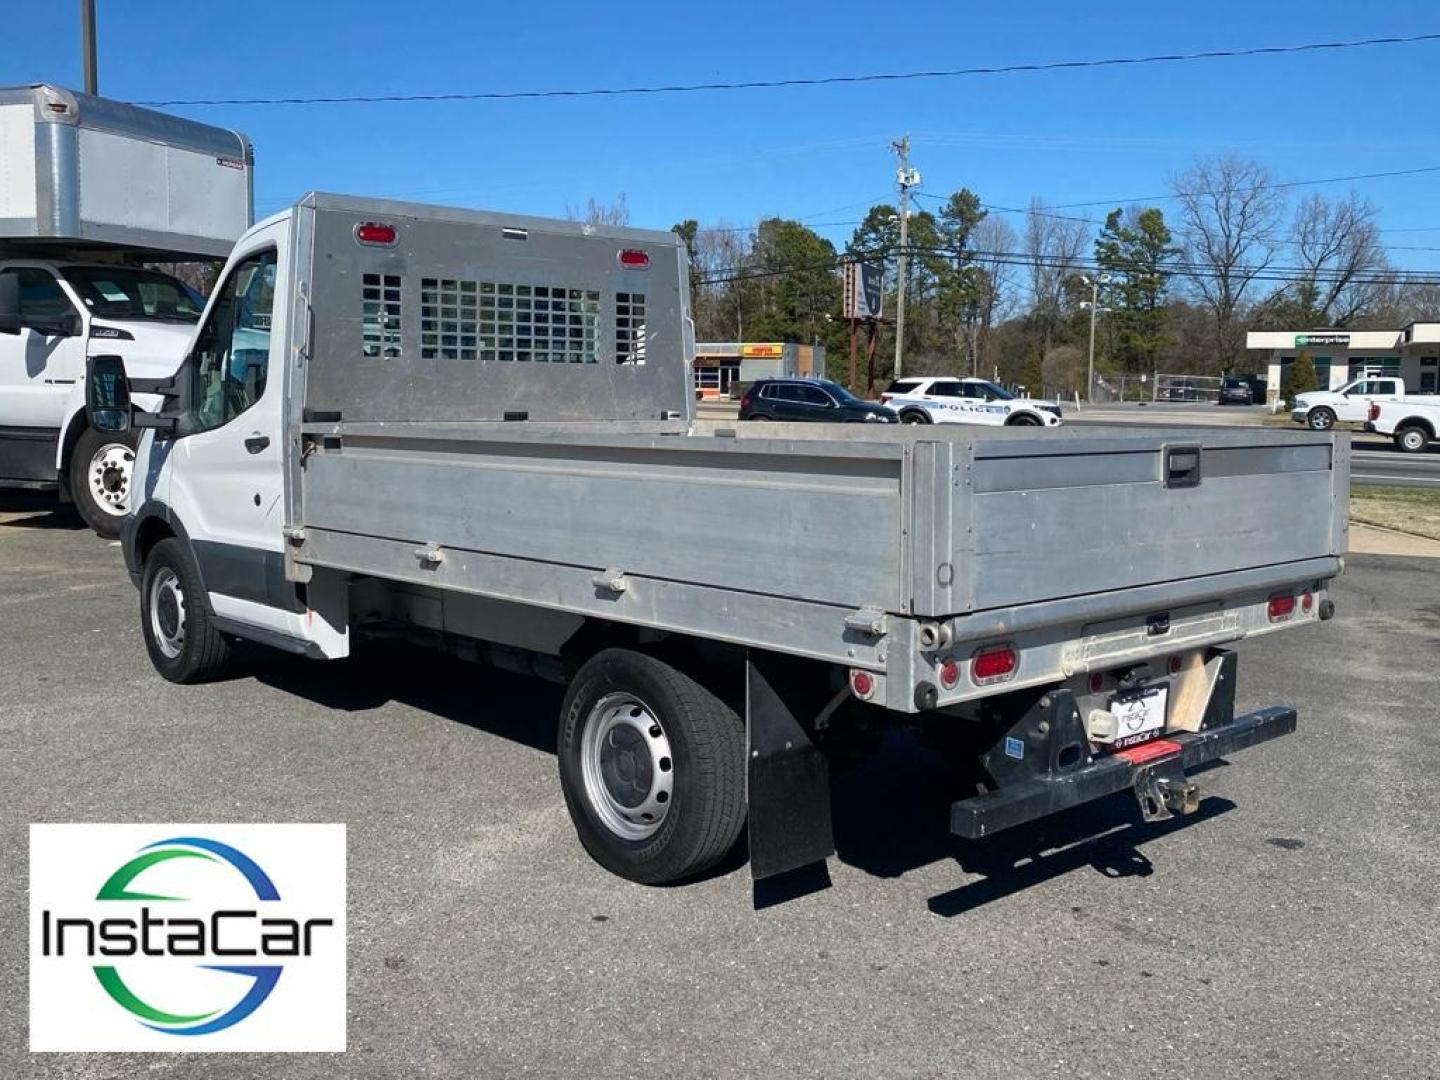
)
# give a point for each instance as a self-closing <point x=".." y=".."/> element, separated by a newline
<point x="188" y="942"/>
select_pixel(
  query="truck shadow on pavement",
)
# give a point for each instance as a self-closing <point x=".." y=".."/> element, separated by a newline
<point x="37" y="510"/>
<point x="890" y="813"/>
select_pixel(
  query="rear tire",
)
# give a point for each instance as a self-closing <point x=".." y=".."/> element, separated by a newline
<point x="175" y="617"/>
<point x="1320" y="419"/>
<point x="101" y="472"/>
<point x="1023" y="420"/>
<point x="652" y="765"/>
<point x="1412" y="439"/>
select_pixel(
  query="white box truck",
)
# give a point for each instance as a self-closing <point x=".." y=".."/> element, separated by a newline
<point x="476" y="430"/>
<point x="89" y="190"/>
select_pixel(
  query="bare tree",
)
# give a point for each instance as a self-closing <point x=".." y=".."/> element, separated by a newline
<point x="718" y="254"/>
<point x="994" y="244"/>
<point x="1229" y="217"/>
<point x="1053" y="243"/>
<point x="612" y="213"/>
<point x="1338" y="247"/>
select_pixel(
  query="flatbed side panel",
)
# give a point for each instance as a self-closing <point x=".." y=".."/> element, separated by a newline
<point x="818" y="528"/>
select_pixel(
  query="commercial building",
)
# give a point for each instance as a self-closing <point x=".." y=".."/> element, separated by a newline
<point x="1411" y="354"/>
<point x="720" y="364"/>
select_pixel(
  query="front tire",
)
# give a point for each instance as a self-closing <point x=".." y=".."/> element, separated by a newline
<point x="1412" y="439"/>
<point x="1320" y="419"/>
<point x="102" y="467"/>
<point x="182" y="641"/>
<point x="915" y="416"/>
<point x="652" y="765"/>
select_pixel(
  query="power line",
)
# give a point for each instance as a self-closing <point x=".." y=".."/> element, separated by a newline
<point x="1252" y="187"/>
<point x="825" y="80"/>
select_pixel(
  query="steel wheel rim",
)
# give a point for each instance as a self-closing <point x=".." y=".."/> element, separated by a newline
<point x="167" y="612"/>
<point x="1412" y="440"/>
<point x="627" y="766"/>
<point x="108" y="477"/>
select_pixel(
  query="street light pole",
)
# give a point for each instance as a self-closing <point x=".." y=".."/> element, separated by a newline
<point x="1094" y="305"/>
<point x="906" y="178"/>
<point x="87" y="45"/>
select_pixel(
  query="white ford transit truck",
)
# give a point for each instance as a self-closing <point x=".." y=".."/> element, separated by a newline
<point x="89" y="190"/>
<point x="476" y="430"/>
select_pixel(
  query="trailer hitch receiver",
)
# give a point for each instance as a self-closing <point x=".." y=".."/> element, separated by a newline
<point x="1163" y="790"/>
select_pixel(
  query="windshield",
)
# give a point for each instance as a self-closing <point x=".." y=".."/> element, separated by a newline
<point x="998" y="392"/>
<point x="124" y="292"/>
<point x="1232" y="384"/>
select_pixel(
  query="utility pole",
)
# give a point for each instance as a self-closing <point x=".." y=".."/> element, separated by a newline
<point x="1094" y="306"/>
<point x="906" y="178"/>
<point x="87" y="45"/>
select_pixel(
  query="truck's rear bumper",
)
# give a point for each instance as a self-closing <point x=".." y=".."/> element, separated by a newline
<point x="983" y="815"/>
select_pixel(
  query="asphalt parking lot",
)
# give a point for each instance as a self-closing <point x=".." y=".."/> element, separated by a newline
<point x="1286" y="930"/>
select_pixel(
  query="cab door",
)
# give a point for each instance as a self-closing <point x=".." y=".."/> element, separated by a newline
<point x="227" y="478"/>
<point x="40" y="364"/>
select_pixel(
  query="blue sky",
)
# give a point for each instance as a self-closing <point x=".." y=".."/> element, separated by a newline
<point x="812" y="153"/>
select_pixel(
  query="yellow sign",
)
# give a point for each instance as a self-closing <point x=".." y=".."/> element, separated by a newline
<point x="765" y="352"/>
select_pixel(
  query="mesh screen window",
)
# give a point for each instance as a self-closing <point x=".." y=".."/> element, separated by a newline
<point x="380" y="315"/>
<point x="502" y="321"/>
<point x="630" y="328"/>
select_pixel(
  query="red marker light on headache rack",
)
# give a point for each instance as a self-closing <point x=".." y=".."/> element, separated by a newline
<point x="634" y="259"/>
<point x="376" y="235"/>
<point x="949" y="674"/>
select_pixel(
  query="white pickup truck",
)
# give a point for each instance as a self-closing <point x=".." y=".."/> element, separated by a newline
<point x="1320" y="410"/>
<point x="436" y="423"/>
<point x="1413" y="423"/>
<point x="89" y="190"/>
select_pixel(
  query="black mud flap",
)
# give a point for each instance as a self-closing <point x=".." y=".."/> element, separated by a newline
<point x="789" y="778"/>
<point x="1042" y="764"/>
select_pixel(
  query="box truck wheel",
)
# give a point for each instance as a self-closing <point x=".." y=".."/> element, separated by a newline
<point x="653" y="768"/>
<point x="183" y="644"/>
<point x="101" y="466"/>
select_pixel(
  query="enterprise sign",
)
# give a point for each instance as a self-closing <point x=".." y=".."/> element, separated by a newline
<point x="1302" y="340"/>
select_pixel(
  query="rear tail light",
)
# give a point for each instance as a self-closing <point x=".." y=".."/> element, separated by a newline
<point x="1374" y="411"/>
<point x="376" y="235"/>
<point x="862" y="684"/>
<point x="634" y="259"/>
<point x="993" y="664"/>
<point x="949" y="674"/>
<point x="885" y="398"/>
<point x="745" y="401"/>
<point x="1281" y="606"/>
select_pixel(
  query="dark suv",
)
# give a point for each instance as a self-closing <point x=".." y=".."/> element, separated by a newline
<point x="810" y="399"/>
<point x="1235" y="391"/>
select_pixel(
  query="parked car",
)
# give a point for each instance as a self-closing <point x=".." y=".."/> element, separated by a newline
<point x="1320" y="409"/>
<point x="950" y="400"/>
<point x="817" y="400"/>
<point x="1235" y="391"/>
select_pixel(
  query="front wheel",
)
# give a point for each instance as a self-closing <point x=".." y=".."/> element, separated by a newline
<point x="652" y="766"/>
<point x="102" y="468"/>
<point x="914" y="416"/>
<point x="1321" y="419"/>
<point x="180" y="637"/>
<point x="1412" y="439"/>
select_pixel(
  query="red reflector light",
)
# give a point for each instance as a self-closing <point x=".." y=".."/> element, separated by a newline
<point x="1282" y="606"/>
<point x="1307" y="601"/>
<point x="994" y="665"/>
<point x="1096" y="682"/>
<point x="1175" y="665"/>
<point x="379" y="235"/>
<point x="862" y="683"/>
<point x="634" y="259"/>
<point x="949" y="674"/>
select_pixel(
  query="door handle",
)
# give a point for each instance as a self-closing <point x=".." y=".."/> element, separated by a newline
<point x="257" y="442"/>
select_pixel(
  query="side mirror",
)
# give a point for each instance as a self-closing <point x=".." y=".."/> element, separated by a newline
<point x="9" y="304"/>
<point x="107" y="394"/>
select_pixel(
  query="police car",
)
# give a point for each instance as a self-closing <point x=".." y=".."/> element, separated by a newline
<point x="950" y="400"/>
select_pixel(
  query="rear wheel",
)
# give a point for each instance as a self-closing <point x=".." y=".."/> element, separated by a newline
<point x="915" y="416"/>
<point x="1412" y="439"/>
<point x="1320" y="419"/>
<point x="175" y="619"/>
<point x="653" y="768"/>
<point x="101" y="470"/>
